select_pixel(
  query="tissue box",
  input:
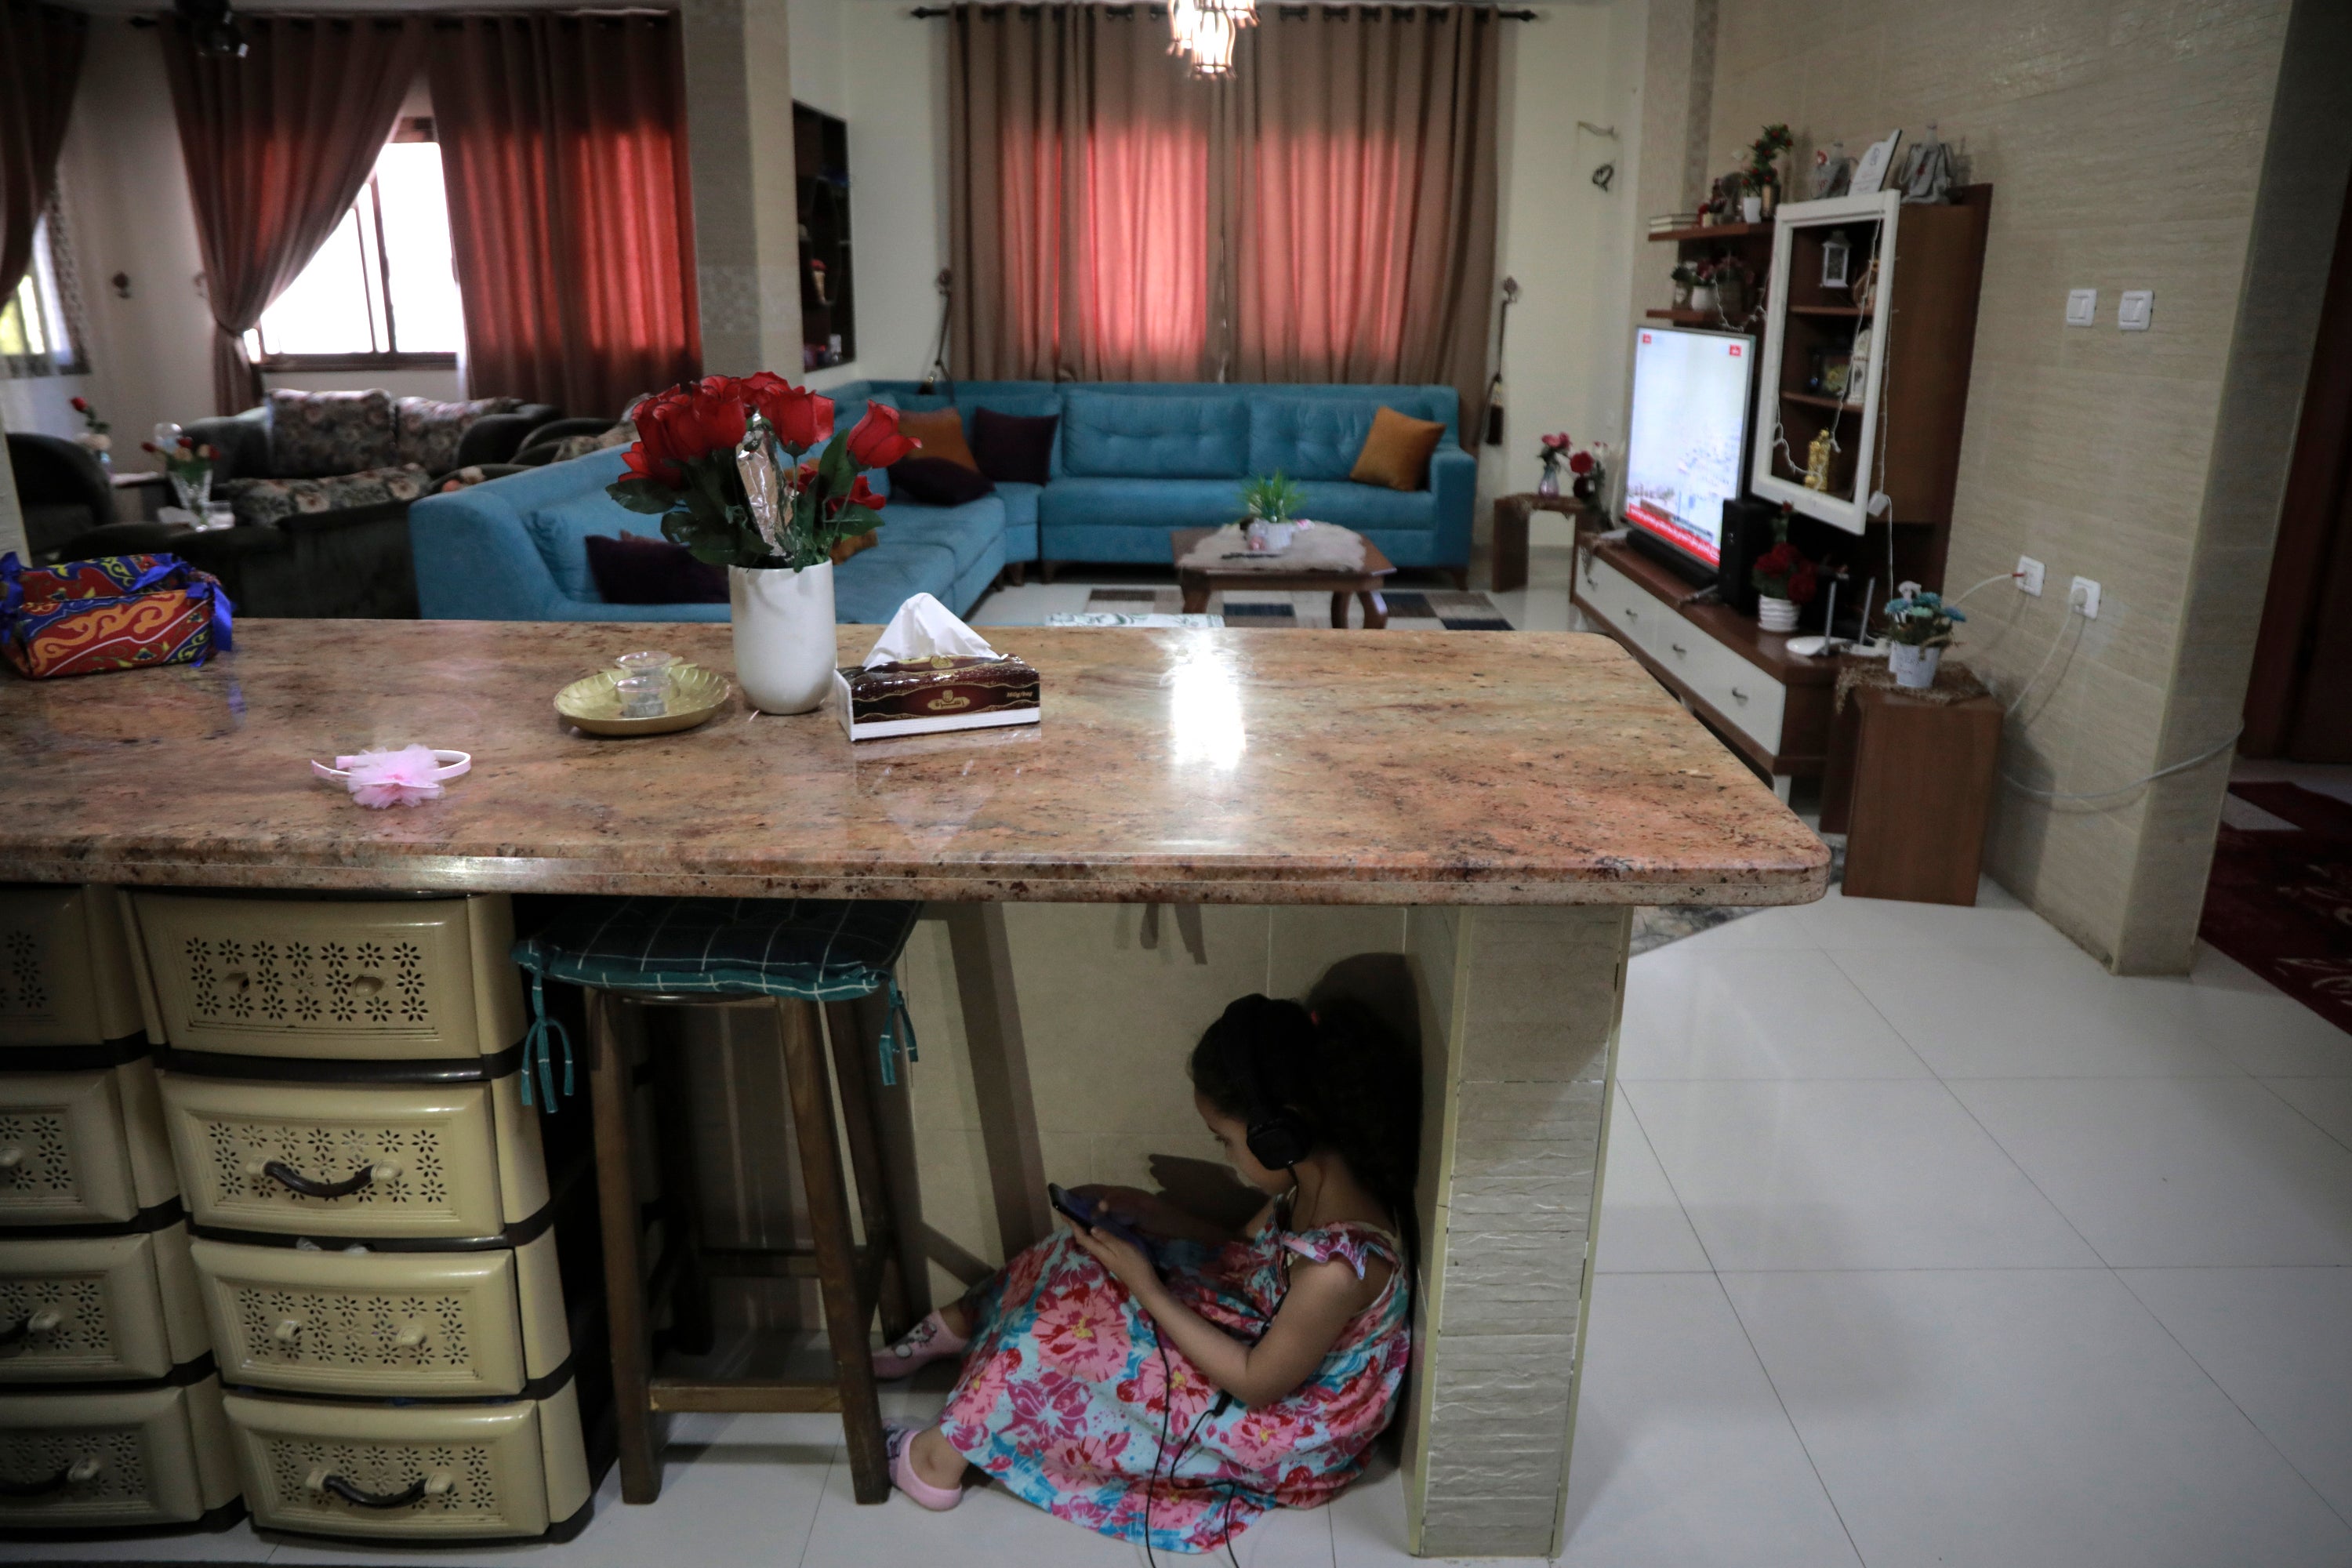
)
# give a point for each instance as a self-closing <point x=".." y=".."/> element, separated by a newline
<point x="927" y="696"/>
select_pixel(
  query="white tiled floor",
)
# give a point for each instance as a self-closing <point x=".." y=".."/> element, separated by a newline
<point x="1924" y="1241"/>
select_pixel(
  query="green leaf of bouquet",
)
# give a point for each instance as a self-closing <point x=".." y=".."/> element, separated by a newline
<point x="835" y="470"/>
<point x="638" y="494"/>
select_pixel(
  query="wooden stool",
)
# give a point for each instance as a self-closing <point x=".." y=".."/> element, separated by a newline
<point x="691" y="952"/>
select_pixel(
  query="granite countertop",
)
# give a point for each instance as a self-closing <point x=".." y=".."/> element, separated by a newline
<point x="1174" y="766"/>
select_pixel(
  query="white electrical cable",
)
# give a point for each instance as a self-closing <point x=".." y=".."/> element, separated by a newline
<point x="1996" y="577"/>
<point x="2197" y="761"/>
<point x="2023" y="690"/>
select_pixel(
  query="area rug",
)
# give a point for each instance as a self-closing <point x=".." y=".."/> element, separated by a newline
<point x="2280" y="899"/>
<point x="1409" y="609"/>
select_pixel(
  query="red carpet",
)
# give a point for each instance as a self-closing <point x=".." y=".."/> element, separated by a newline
<point x="2280" y="902"/>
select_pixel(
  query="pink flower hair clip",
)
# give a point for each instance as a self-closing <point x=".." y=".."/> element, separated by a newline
<point x="409" y="777"/>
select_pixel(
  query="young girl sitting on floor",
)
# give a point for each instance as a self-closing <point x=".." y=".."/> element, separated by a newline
<point x="1173" y="1405"/>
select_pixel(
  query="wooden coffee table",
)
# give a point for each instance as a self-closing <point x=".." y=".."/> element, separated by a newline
<point x="1365" y="584"/>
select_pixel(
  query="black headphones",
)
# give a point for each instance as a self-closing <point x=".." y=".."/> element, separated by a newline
<point x="1278" y="1137"/>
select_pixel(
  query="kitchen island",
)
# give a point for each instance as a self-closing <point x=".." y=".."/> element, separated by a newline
<point x="1509" y="796"/>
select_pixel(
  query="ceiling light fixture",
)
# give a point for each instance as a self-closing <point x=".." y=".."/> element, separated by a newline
<point x="1206" y="30"/>
<point x="214" y="27"/>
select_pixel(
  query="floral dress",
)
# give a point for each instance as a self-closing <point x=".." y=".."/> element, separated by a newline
<point x="1067" y="1389"/>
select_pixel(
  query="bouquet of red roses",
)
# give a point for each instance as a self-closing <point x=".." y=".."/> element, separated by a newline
<point x="1781" y="572"/>
<point x="723" y="463"/>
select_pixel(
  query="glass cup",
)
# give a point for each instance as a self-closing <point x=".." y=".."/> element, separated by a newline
<point x="644" y="683"/>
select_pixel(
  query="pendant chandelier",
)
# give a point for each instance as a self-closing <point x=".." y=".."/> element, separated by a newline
<point x="1205" y="31"/>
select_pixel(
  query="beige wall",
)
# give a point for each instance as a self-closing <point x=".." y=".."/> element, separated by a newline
<point x="2126" y="148"/>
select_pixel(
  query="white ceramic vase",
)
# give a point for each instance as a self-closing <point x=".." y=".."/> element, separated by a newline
<point x="1776" y="615"/>
<point x="1269" y="538"/>
<point x="784" y="635"/>
<point x="1701" y="297"/>
<point x="1914" y="667"/>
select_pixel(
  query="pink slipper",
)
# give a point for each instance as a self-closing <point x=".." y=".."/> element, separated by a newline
<point x="899" y="1442"/>
<point x="929" y="1340"/>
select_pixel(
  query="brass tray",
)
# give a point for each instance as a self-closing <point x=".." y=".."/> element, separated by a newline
<point x="592" y="704"/>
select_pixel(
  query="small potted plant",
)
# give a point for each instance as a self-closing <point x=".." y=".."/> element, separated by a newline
<point x="1272" y="502"/>
<point x="189" y="464"/>
<point x="1918" y="629"/>
<point x="1684" y="275"/>
<point x="1784" y="582"/>
<point x="94" y="438"/>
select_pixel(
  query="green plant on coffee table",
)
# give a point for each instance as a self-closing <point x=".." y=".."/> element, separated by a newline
<point x="1273" y="498"/>
<point x="1920" y="618"/>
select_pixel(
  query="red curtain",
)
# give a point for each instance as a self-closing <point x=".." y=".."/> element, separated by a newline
<point x="277" y="145"/>
<point x="40" y="60"/>
<point x="564" y="146"/>
<point x="1364" y="196"/>
<point x="1080" y="219"/>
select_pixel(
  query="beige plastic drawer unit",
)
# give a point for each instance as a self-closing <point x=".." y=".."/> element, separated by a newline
<point x="66" y="975"/>
<point x="82" y="1148"/>
<point x="409" y="1325"/>
<point x="112" y="1461"/>
<point x="396" y="980"/>
<point x="393" y="1161"/>
<point x="449" y="1472"/>
<point x="93" y="1308"/>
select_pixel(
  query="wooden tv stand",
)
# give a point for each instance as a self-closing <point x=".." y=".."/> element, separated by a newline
<point x="1766" y="703"/>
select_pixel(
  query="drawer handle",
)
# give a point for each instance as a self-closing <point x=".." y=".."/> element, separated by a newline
<point x="1737" y="695"/>
<point x="47" y="1321"/>
<point x="410" y="1337"/>
<point x="1632" y="614"/>
<point x="80" y="1472"/>
<point x="288" y="1330"/>
<point x="1677" y="647"/>
<point x="11" y="1157"/>
<point x="312" y="1187"/>
<point x="438" y="1484"/>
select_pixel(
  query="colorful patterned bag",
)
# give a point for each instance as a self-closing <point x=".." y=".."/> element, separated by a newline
<point x="117" y="612"/>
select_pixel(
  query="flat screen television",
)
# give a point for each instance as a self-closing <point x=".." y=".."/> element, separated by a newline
<point x="1685" y="452"/>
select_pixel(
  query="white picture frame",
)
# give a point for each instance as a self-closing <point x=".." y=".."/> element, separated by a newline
<point x="1870" y="175"/>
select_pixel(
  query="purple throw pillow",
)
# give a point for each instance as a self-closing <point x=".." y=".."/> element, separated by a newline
<point x="1013" y="448"/>
<point x="938" y="481"/>
<point x="636" y="569"/>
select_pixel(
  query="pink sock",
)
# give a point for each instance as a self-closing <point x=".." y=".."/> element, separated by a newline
<point x="899" y="1442"/>
<point x="929" y="1340"/>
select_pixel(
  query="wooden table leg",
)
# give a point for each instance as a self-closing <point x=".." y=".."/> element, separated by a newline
<point x="1340" y="612"/>
<point x="1510" y="557"/>
<point x="1000" y="1073"/>
<point x="693" y="1328"/>
<point x="837" y="1252"/>
<point x="856" y="1031"/>
<point x="609" y="1093"/>
<point x="1376" y="610"/>
<point x="1196" y="594"/>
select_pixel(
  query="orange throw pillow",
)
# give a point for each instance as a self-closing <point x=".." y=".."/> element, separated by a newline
<point x="940" y="430"/>
<point x="1397" y="451"/>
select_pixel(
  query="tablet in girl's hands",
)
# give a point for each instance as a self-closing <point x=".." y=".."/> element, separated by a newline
<point x="1074" y="1210"/>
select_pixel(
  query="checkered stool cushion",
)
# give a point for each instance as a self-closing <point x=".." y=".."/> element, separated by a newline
<point x="819" y="950"/>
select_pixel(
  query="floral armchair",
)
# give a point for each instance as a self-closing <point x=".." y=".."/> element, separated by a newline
<point x="320" y="481"/>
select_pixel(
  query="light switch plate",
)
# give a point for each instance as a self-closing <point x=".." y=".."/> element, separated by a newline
<point x="2134" y="308"/>
<point x="2082" y="307"/>
<point x="2085" y="597"/>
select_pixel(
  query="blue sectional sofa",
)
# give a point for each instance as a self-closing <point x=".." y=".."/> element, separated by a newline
<point x="1131" y="460"/>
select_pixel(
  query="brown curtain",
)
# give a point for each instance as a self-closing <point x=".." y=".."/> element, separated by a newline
<point x="277" y="145"/>
<point x="564" y="144"/>
<point x="1079" y="166"/>
<point x="1363" y="195"/>
<point x="1325" y="214"/>
<point x="40" y="60"/>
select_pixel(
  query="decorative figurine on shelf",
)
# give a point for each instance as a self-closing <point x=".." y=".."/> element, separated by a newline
<point x="1833" y="170"/>
<point x="1837" y="260"/>
<point x="1817" y="460"/>
<point x="1927" y="175"/>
